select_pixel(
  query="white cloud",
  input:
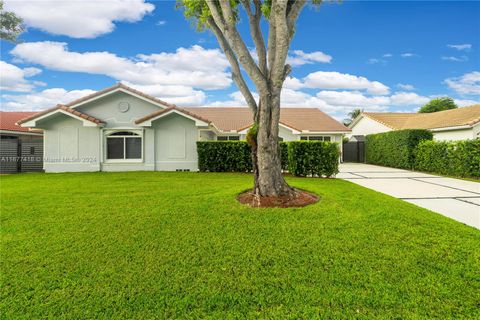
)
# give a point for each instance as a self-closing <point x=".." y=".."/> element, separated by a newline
<point x="337" y="80"/>
<point x="407" y="87"/>
<point x="13" y="78"/>
<point x="161" y="23"/>
<point x="79" y="18"/>
<point x="388" y="55"/>
<point x="41" y="100"/>
<point x="181" y="95"/>
<point x="456" y="59"/>
<point x="460" y="47"/>
<point x="299" y="58"/>
<point x="407" y="99"/>
<point x="469" y="83"/>
<point x="194" y="67"/>
<point x="408" y="55"/>
<point x="465" y="103"/>
<point x="236" y="100"/>
<point x="292" y="83"/>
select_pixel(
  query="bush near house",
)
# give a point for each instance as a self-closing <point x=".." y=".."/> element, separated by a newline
<point x="224" y="156"/>
<point x="315" y="158"/>
<point x="459" y="158"/>
<point x="395" y="148"/>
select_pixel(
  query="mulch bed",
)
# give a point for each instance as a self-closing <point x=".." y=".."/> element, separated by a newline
<point x="298" y="198"/>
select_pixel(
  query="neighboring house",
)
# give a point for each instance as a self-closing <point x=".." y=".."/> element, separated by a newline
<point x="121" y="129"/>
<point x="21" y="149"/>
<point x="449" y="125"/>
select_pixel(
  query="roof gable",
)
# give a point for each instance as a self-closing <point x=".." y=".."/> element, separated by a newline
<point x="119" y="87"/>
<point x="85" y="118"/>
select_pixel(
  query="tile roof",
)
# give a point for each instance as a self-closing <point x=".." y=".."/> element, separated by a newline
<point x="64" y="108"/>
<point x="300" y="119"/>
<point x="466" y="116"/>
<point x="8" y="120"/>
<point x="223" y="118"/>
<point x="160" y="112"/>
<point x="117" y="86"/>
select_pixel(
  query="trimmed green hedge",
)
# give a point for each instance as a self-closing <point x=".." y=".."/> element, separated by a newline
<point x="318" y="159"/>
<point x="224" y="156"/>
<point x="395" y="148"/>
<point x="459" y="158"/>
<point x="313" y="158"/>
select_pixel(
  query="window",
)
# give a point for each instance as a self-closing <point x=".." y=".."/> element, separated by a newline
<point x="316" y="138"/>
<point x="226" y="138"/>
<point x="32" y="150"/>
<point x="124" y="145"/>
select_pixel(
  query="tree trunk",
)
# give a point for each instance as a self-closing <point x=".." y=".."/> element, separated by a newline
<point x="266" y="153"/>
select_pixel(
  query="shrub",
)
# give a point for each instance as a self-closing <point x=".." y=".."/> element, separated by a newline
<point x="395" y="148"/>
<point x="230" y="156"/>
<point x="313" y="158"/>
<point x="459" y="158"/>
<point x="319" y="159"/>
<point x="224" y="156"/>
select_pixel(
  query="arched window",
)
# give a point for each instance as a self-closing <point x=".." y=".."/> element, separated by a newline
<point x="124" y="145"/>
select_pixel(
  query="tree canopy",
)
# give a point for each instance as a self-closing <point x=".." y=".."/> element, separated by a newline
<point x="10" y="25"/>
<point x="438" y="104"/>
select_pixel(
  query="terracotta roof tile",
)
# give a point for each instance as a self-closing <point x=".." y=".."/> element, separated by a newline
<point x="64" y="108"/>
<point x="119" y="85"/>
<point x="8" y="121"/>
<point x="466" y="116"/>
<point x="160" y="112"/>
<point x="300" y="119"/>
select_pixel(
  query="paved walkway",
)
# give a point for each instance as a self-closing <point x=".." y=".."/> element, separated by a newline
<point x="454" y="198"/>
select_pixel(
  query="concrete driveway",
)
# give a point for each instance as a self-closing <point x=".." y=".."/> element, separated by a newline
<point x="454" y="198"/>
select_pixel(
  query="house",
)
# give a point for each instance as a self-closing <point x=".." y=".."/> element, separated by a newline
<point x="21" y="149"/>
<point x="449" y="125"/>
<point x="121" y="129"/>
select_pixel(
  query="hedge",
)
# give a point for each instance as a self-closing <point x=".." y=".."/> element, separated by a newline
<point x="459" y="158"/>
<point x="395" y="148"/>
<point x="224" y="156"/>
<point x="235" y="156"/>
<point x="313" y="158"/>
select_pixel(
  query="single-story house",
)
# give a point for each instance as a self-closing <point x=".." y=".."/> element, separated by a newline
<point x="121" y="129"/>
<point x="21" y="149"/>
<point x="449" y="125"/>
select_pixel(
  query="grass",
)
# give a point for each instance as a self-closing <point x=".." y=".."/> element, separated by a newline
<point x="145" y="245"/>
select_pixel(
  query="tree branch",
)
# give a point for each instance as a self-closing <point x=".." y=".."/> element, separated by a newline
<point x="282" y="43"/>
<point x="256" y="32"/>
<point x="235" y="41"/>
<point x="236" y="72"/>
<point x="293" y="14"/>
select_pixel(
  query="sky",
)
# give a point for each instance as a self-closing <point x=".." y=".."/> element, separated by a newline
<point x="374" y="55"/>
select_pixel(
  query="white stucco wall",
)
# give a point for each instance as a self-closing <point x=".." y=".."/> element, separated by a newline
<point x="175" y="143"/>
<point x="69" y="146"/>
<point x="367" y="126"/>
<point x="454" y="135"/>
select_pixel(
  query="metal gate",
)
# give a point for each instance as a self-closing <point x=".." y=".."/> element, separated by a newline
<point x="20" y="155"/>
<point x="354" y="151"/>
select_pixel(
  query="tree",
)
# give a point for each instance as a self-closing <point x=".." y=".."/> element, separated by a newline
<point x="267" y="73"/>
<point x="438" y="104"/>
<point x="10" y="25"/>
<point x="352" y="115"/>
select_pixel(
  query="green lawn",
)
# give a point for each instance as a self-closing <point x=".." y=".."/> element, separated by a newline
<point x="178" y="245"/>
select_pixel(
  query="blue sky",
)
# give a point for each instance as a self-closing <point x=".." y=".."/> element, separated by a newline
<point x="380" y="56"/>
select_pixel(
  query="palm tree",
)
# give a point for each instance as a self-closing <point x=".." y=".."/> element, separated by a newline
<point x="352" y="115"/>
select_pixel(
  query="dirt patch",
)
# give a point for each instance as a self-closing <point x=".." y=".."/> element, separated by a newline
<point x="298" y="198"/>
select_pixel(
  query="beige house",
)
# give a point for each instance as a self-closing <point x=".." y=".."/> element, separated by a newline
<point x="448" y="125"/>
<point x="121" y="129"/>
